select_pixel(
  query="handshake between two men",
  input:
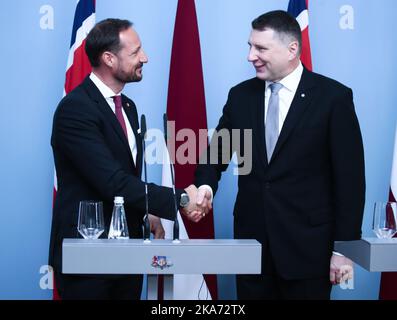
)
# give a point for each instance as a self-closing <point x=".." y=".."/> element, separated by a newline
<point x="198" y="202"/>
<point x="196" y="205"/>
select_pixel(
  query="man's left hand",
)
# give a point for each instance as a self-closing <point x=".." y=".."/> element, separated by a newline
<point x="156" y="227"/>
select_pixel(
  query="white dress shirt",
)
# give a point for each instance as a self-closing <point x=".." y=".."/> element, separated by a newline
<point x="108" y="94"/>
<point x="286" y="94"/>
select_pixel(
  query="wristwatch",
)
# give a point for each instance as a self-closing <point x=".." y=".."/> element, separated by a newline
<point x="184" y="200"/>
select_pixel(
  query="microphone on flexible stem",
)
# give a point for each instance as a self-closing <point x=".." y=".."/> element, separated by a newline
<point x="146" y="224"/>
<point x="176" y="223"/>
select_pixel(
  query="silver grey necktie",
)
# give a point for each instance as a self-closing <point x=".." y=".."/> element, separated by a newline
<point x="271" y="125"/>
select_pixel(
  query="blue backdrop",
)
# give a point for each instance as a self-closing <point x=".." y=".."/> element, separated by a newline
<point x="351" y="42"/>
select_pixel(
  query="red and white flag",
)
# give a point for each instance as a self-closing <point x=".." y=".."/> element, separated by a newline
<point x="388" y="283"/>
<point x="186" y="107"/>
<point x="78" y="65"/>
<point x="299" y="10"/>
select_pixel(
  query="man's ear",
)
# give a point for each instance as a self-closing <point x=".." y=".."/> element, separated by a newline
<point x="293" y="49"/>
<point x="108" y="58"/>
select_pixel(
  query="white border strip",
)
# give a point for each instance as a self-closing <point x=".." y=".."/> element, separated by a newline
<point x="303" y="19"/>
<point x="81" y="34"/>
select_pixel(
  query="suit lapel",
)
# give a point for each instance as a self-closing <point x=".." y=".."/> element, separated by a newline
<point x="103" y="106"/>
<point x="302" y="99"/>
<point x="130" y="110"/>
<point x="258" y="116"/>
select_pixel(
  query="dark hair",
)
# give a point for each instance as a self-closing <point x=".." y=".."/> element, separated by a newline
<point x="281" y="22"/>
<point x="104" y="36"/>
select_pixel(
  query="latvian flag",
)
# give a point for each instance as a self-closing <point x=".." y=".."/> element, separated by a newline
<point x="299" y="10"/>
<point x="186" y="107"/>
<point x="393" y="185"/>
<point x="388" y="282"/>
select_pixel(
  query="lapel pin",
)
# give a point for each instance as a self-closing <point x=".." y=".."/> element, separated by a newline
<point x="128" y="104"/>
<point x="303" y="95"/>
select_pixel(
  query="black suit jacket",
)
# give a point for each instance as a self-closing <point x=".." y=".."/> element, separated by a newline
<point x="312" y="191"/>
<point x="93" y="161"/>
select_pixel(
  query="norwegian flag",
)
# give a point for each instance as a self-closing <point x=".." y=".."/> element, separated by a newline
<point x="299" y="9"/>
<point x="78" y="66"/>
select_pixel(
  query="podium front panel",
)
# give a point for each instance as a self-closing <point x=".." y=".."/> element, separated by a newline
<point x="132" y="256"/>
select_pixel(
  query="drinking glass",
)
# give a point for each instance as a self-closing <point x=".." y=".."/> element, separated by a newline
<point x="384" y="220"/>
<point x="91" y="223"/>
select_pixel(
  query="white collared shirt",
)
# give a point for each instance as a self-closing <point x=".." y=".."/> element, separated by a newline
<point x="286" y="94"/>
<point x="108" y="94"/>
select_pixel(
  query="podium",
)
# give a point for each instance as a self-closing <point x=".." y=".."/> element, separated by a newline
<point x="161" y="257"/>
<point x="373" y="254"/>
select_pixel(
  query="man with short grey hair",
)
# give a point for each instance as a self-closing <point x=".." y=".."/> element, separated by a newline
<point x="306" y="189"/>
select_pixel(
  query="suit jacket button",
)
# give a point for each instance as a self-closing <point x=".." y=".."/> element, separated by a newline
<point x="267" y="185"/>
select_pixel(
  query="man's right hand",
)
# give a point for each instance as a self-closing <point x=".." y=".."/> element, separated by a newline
<point x="204" y="199"/>
<point x="200" y="203"/>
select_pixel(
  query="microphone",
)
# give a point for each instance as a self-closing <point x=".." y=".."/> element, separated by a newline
<point x="176" y="223"/>
<point x="146" y="224"/>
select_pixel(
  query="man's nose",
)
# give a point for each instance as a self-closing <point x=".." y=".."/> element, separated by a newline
<point x="252" y="55"/>
<point x="144" y="58"/>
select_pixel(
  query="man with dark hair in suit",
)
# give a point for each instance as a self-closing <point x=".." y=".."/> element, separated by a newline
<point x="98" y="155"/>
<point x="306" y="188"/>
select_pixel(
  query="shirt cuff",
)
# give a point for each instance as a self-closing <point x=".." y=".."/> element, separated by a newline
<point x="337" y="254"/>
<point x="206" y="186"/>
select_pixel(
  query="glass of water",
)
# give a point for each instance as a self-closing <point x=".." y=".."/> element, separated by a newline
<point x="385" y="218"/>
<point x="91" y="223"/>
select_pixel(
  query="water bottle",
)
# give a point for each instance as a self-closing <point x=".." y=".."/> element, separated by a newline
<point x="118" y="225"/>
